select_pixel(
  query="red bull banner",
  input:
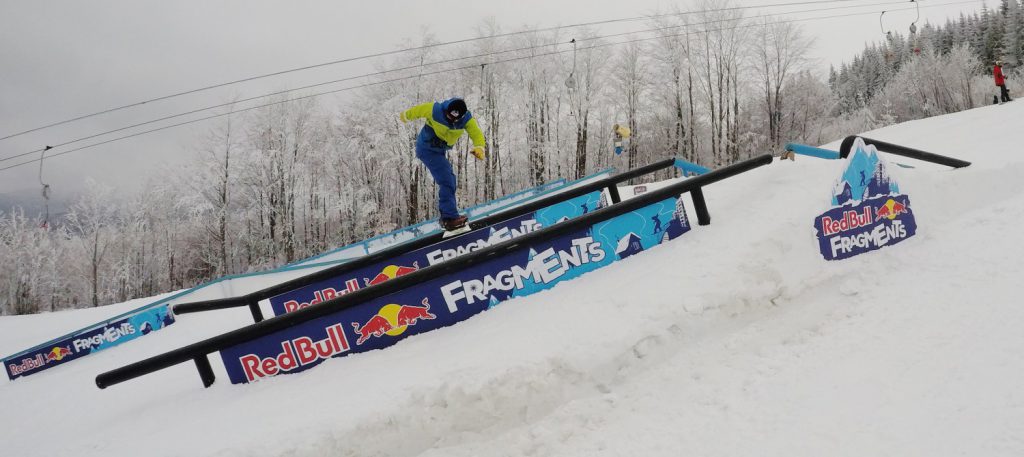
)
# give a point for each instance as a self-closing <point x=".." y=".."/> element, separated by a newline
<point x="432" y="255"/>
<point x="868" y="212"/>
<point x="86" y="342"/>
<point x="457" y="296"/>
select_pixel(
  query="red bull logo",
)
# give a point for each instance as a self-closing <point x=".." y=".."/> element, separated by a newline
<point x="329" y="293"/>
<point x="295" y="353"/>
<point x="876" y="223"/>
<point x="392" y="320"/>
<point x="391" y="272"/>
<point x="890" y="210"/>
<point x="57" y="354"/>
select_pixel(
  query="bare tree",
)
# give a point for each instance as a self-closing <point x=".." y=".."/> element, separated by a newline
<point x="779" y="51"/>
<point x="90" y="220"/>
<point x="631" y="81"/>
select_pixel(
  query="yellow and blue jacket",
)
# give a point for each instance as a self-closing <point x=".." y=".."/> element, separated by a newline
<point x="438" y="133"/>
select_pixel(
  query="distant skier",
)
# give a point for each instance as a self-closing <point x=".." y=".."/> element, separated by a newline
<point x="445" y="123"/>
<point x="997" y="73"/>
<point x="621" y="132"/>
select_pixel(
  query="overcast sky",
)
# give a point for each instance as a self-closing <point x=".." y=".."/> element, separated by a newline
<point x="62" y="59"/>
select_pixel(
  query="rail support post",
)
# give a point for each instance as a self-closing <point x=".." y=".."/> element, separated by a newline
<point x="257" y="313"/>
<point x="703" y="218"/>
<point x="205" y="370"/>
<point x="613" y="193"/>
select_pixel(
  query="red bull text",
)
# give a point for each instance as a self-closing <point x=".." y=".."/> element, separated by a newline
<point x="27" y="365"/>
<point x="329" y="293"/>
<point x="851" y="220"/>
<point x="295" y="353"/>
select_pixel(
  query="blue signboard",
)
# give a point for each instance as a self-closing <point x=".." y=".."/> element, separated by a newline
<point x="88" y="341"/>
<point x="457" y="296"/>
<point x="868" y="211"/>
<point x="431" y="255"/>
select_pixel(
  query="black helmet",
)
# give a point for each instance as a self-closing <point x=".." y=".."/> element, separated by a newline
<point x="455" y="110"/>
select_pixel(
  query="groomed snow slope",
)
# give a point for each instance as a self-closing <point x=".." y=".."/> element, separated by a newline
<point x="736" y="339"/>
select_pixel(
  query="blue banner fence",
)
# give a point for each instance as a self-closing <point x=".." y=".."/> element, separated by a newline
<point x="63" y="348"/>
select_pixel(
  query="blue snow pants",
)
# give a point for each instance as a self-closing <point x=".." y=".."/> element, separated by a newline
<point x="441" y="169"/>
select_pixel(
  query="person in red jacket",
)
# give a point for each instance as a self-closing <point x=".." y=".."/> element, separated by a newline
<point x="997" y="72"/>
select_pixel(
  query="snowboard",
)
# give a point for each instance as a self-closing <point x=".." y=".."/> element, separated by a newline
<point x="456" y="232"/>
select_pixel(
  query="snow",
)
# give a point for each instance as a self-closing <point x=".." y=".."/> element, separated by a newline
<point x="735" y="339"/>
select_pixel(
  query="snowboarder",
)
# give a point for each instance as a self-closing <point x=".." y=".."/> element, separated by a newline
<point x="621" y="133"/>
<point x="445" y="123"/>
<point x="997" y="73"/>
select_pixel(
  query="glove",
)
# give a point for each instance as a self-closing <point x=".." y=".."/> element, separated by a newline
<point x="478" y="152"/>
<point x="402" y="116"/>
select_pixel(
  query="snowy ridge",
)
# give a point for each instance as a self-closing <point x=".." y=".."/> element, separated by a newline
<point x="736" y="339"/>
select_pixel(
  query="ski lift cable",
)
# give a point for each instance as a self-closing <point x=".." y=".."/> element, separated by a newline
<point x="382" y="72"/>
<point x="393" y="52"/>
<point x="913" y="25"/>
<point x="600" y="45"/>
<point x="272" y="94"/>
<point x="886" y="33"/>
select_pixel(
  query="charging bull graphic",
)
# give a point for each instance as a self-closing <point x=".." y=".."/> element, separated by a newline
<point x="392" y="320"/>
<point x="391" y="272"/>
<point x="890" y="210"/>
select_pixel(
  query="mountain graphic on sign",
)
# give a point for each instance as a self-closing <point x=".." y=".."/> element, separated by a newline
<point x="865" y="177"/>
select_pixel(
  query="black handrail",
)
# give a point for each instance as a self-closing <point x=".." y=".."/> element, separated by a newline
<point x="252" y="299"/>
<point x="199" y="351"/>
<point x="847" y="145"/>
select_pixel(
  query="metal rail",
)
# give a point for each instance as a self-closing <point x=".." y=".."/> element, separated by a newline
<point x="199" y="351"/>
<point x="845" y="149"/>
